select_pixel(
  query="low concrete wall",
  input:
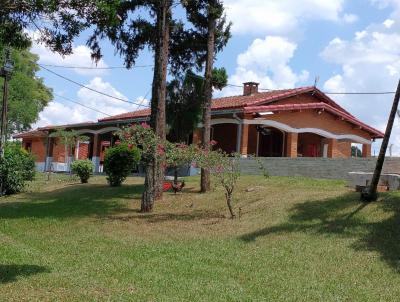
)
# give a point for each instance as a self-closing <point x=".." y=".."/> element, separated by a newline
<point x="317" y="167"/>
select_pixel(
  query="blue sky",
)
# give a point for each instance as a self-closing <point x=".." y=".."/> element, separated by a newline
<point x="351" y="45"/>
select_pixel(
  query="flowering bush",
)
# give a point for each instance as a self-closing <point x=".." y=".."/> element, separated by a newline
<point x="222" y="166"/>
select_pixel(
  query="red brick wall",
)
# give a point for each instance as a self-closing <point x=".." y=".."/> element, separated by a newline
<point x="83" y="151"/>
<point x="344" y="150"/>
<point x="37" y="147"/>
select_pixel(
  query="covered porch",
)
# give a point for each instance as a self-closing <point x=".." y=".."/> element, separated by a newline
<point x="267" y="138"/>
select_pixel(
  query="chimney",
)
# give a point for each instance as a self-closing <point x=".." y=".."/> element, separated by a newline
<point x="250" y="88"/>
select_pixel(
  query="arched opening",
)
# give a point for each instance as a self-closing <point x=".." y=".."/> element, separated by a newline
<point x="270" y="142"/>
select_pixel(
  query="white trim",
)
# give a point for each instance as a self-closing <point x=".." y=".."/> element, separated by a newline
<point x="225" y="121"/>
<point x="287" y="128"/>
<point x="100" y="131"/>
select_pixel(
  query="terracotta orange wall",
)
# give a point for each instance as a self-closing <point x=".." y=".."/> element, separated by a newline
<point x="58" y="152"/>
<point x="38" y="148"/>
<point x="311" y="119"/>
<point x="343" y="149"/>
<point x="83" y="151"/>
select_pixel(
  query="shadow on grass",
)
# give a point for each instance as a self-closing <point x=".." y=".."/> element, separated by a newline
<point x="72" y="201"/>
<point x="11" y="272"/>
<point x="378" y="229"/>
<point x="163" y="217"/>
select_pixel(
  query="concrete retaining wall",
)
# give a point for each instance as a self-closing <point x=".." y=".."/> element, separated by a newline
<point x="317" y="167"/>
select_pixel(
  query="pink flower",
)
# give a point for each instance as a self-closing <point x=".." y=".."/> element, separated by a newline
<point x="160" y="150"/>
<point x="213" y="142"/>
<point x="145" y="125"/>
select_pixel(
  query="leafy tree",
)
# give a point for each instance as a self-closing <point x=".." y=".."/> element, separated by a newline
<point x="183" y="106"/>
<point x="209" y="20"/>
<point x="16" y="168"/>
<point x="184" y="101"/>
<point x="356" y="152"/>
<point x="69" y="139"/>
<point x="27" y="94"/>
<point x="122" y="22"/>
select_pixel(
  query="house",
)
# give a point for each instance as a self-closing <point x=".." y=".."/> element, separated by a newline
<point x="300" y="122"/>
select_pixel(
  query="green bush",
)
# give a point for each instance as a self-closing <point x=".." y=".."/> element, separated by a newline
<point x="17" y="167"/>
<point x="82" y="168"/>
<point x="119" y="161"/>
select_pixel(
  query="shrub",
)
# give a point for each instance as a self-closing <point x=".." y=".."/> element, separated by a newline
<point x="119" y="161"/>
<point x="17" y="167"/>
<point x="82" y="168"/>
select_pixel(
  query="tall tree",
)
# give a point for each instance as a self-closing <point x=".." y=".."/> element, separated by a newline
<point x="184" y="102"/>
<point x="122" y="22"/>
<point x="209" y="19"/>
<point x="183" y="106"/>
<point x="27" y="94"/>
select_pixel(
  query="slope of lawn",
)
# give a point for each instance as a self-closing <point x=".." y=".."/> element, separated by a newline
<point x="296" y="240"/>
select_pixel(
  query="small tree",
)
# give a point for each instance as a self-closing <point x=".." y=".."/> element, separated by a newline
<point x="225" y="169"/>
<point x="82" y="168"/>
<point x="178" y="155"/>
<point x="119" y="161"/>
<point x="69" y="139"/>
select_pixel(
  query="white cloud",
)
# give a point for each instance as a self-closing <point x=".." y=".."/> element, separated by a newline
<point x="267" y="62"/>
<point x="283" y="16"/>
<point x="350" y="18"/>
<point x="369" y="62"/>
<point x="63" y="112"/>
<point x="80" y="57"/>
<point x="389" y="23"/>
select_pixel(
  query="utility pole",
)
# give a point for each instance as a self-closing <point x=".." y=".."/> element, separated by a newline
<point x="370" y="193"/>
<point x="5" y="72"/>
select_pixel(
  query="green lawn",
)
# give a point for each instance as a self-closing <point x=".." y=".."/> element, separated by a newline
<point x="296" y="240"/>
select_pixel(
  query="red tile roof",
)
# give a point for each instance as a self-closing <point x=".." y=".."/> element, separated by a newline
<point x="30" y="134"/>
<point x="324" y="106"/>
<point x="128" y="115"/>
<point x="255" y="103"/>
<point x="241" y="101"/>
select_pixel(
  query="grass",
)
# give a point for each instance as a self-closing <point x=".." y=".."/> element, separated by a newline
<point x="296" y="240"/>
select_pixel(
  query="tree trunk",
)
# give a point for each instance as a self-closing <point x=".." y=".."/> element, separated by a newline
<point x="205" y="174"/>
<point x="175" y="175"/>
<point x="154" y="180"/>
<point x="148" y="194"/>
<point x="229" y="203"/>
<point x="371" y="193"/>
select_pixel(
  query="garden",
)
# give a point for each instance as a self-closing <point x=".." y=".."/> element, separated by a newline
<point x="312" y="241"/>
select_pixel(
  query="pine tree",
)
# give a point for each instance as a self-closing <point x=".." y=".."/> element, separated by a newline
<point x="210" y="23"/>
